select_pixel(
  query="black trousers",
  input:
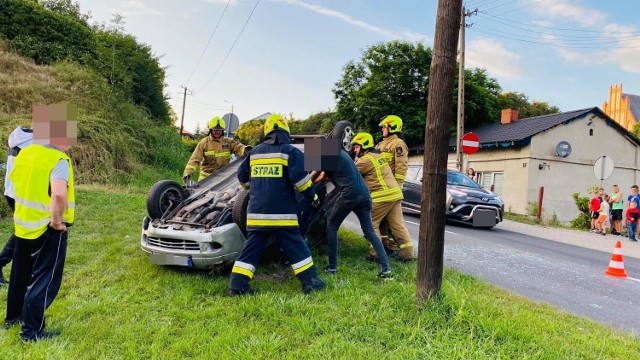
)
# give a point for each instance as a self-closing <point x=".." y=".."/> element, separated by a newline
<point x="293" y="246"/>
<point x="7" y="252"/>
<point x="36" y="275"/>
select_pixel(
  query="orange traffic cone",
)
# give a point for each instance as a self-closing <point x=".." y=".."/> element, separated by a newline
<point x="616" y="265"/>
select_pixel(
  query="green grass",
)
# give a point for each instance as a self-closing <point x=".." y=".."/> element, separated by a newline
<point x="114" y="304"/>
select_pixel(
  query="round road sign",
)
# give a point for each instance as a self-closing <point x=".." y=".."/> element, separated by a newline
<point x="603" y="168"/>
<point x="470" y="143"/>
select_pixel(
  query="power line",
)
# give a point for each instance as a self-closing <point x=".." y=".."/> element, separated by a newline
<point x="591" y="41"/>
<point x="547" y="42"/>
<point x="210" y="37"/>
<point x="539" y="26"/>
<point x="232" y="46"/>
<point x="575" y="37"/>
<point x="512" y="10"/>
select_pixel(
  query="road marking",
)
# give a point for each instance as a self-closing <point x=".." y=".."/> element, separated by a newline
<point x="447" y="231"/>
<point x="630" y="278"/>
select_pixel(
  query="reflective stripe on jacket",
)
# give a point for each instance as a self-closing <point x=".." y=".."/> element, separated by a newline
<point x="30" y="176"/>
<point x="212" y="154"/>
<point x="378" y="176"/>
<point x="395" y="151"/>
<point x="272" y="171"/>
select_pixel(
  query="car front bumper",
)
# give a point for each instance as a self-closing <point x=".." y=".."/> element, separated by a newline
<point x="477" y="214"/>
<point x="197" y="249"/>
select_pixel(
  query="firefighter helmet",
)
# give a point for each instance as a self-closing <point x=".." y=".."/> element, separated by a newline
<point x="276" y="121"/>
<point x="216" y="124"/>
<point x="392" y="122"/>
<point x="365" y="140"/>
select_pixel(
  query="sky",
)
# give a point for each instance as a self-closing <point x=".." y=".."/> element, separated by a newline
<point x="285" y="56"/>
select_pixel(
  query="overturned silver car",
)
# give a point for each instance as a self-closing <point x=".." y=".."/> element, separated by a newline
<point x="203" y="226"/>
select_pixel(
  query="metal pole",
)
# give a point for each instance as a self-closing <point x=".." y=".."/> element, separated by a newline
<point x="460" y="131"/>
<point x="604" y="158"/>
<point x="184" y="102"/>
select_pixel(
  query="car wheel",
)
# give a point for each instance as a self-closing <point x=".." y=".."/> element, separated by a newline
<point x="344" y="130"/>
<point x="163" y="195"/>
<point x="239" y="212"/>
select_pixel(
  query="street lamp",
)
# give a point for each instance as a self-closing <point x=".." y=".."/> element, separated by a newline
<point x="231" y="117"/>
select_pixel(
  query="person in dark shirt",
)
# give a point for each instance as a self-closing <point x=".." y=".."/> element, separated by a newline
<point x="354" y="197"/>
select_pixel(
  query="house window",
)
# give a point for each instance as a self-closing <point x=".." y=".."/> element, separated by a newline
<point x="590" y="132"/>
<point x="488" y="178"/>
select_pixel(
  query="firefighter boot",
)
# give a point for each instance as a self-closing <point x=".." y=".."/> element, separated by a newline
<point x="312" y="284"/>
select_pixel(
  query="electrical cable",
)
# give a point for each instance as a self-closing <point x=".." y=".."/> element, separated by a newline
<point x="210" y="37"/>
<point x="232" y="46"/>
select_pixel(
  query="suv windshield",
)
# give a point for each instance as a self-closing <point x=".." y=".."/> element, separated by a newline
<point x="460" y="179"/>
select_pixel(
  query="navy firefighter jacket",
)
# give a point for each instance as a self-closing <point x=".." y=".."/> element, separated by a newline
<point x="273" y="170"/>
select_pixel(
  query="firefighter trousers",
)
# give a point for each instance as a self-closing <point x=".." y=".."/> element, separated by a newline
<point x="392" y="213"/>
<point x="293" y="246"/>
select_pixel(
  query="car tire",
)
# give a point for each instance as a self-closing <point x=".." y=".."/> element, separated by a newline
<point x="239" y="212"/>
<point x="162" y="195"/>
<point x="344" y="130"/>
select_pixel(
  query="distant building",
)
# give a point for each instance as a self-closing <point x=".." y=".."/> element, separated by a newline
<point x="262" y="117"/>
<point x="622" y="108"/>
<point x="518" y="156"/>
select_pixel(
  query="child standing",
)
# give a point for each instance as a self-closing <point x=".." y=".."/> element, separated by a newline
<point x="594" y="206"/>
<point x="632" y="215"/>
<point x="604" y="214"/>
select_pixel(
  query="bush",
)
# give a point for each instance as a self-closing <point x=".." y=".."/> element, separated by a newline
<point x="583" y="221"/>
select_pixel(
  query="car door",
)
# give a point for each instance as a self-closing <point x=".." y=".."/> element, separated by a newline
<point x="412" y="188"/>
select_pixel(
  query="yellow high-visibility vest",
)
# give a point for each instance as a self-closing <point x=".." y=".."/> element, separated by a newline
<point x="30" y="175"/>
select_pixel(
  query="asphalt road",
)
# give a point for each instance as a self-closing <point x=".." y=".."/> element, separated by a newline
<point x="566" y="276"/>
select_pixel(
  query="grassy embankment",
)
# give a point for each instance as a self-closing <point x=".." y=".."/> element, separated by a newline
<point x="115" y="304"/>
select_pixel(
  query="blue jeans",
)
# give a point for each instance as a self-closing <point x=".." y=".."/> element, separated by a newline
<point x="633" y="228"/>
<point x="362" y="209"/>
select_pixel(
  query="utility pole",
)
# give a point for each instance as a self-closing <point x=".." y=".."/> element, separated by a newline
<point x="184" y="102"/>
<point x="460" y="128"/>
<point x="439" y="112"/>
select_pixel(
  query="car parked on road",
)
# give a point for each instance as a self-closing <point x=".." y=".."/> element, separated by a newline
<point x="203" y="226"/>
<point x="467" y="202"/>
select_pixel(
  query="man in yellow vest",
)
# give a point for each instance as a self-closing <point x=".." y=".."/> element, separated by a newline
<point x="394" y="149"/>
<point x="213" y="152"/>
<point x="386" y="195"/>
<point x="44" y="208"/>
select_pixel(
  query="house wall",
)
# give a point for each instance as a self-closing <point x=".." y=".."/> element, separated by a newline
<point x="561" y="177"/>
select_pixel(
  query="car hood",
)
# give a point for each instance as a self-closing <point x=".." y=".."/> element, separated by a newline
<point x="473" y="192"/>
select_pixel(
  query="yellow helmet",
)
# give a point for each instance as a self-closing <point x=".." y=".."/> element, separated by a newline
<point x="276" y="121"/>
<point x="392" y="122"/>
<point x="363" y="139"/>
<point x="216" y="124"/>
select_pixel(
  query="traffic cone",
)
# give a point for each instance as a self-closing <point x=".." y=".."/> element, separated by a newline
<point x="616" y="265"/>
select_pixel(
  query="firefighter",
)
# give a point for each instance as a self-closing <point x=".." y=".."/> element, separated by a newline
<point x="212" y="152"/>
<point x="395" y="151"/>
<point x="386" y="194"/>
<point x="272" y="170"/>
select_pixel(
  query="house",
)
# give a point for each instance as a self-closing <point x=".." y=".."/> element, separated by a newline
<point x="262" y="117"/>
<point x="623" y="108"/>
<point x="518" y="156"/>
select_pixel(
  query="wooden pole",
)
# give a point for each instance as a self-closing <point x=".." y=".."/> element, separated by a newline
<point x="439" y="113"/>
<point x="540" y="197"/>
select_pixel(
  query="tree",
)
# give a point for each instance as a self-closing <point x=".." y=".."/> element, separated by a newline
<point x="526" y="109"/>
<point x="389" y="78"/>
<point x="249" y="132"/>
<point x="318" y="123"/>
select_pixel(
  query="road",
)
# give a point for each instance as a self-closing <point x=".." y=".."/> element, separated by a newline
<point x="566" y="276"/>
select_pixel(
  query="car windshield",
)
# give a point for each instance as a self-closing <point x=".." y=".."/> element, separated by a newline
<point x="460" y="179"/>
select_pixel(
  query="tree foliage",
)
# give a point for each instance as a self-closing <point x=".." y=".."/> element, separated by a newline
<point x="393" y="78"/>
<point x="249" y="132"/>
<point x="55" y="30"/>
<point x="389" y="78"/>
<point x="318" y="123"/>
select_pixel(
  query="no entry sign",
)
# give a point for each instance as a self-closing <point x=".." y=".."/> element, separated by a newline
<point x="470" y="143"/>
